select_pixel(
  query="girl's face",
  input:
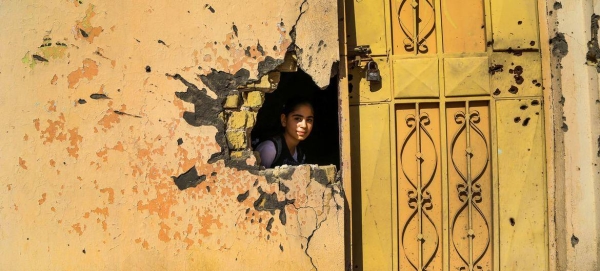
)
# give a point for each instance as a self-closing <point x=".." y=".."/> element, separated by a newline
<point x="299" y="123"/>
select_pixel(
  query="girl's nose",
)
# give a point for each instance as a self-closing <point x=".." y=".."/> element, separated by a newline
<point x="302" y="123"/>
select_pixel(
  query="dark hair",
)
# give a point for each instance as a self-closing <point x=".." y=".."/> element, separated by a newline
<point x="295" y="102"/>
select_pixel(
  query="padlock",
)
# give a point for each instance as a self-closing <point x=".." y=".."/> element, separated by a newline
<point x="372" y="73"/>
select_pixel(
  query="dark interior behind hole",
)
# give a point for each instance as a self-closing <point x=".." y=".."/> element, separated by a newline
<point x="322" y="146"/>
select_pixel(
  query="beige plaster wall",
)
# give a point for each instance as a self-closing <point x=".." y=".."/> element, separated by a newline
<point x="575" y="108"/>
<point x="94" y="136"/>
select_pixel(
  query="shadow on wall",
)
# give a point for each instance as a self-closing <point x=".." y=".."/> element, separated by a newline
<point x="322" y="146"/>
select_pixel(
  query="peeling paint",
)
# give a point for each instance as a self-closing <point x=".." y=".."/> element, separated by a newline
<point x="138" y="163"/>
<point x="84" y="28"/>
<point x="22" y="163"/>
<point x="88" y="71"/>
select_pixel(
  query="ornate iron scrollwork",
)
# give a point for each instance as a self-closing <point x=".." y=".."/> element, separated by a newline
<point x="469" y="190"/>
<point x="419" y="199"/>
<point x="415" y="39"/>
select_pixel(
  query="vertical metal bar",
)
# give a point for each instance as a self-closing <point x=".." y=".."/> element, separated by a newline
<point x="415" y="5"/>
<point x="419" y="185"/>
<point x="445" y="188"/>
<point x="394" y="185"/>
<point x="551" y="205"/>
<point x="344" y="126"/>
<point x="393" y="133"/>
<point x="469" y="184"/>
<point x="444" y="137"/>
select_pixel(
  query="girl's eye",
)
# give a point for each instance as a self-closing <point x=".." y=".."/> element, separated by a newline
<point x="309" y="120"/>
<point x="298" y="119"/>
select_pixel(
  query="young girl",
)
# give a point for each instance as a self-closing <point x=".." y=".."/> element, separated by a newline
<point x="297" y="122"/>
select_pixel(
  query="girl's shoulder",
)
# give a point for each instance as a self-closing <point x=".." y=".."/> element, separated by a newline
<point x="268" y="153"/>
<point x="266" y="145"/>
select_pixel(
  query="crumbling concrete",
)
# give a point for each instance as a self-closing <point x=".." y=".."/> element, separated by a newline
<point x="115" y="148"/>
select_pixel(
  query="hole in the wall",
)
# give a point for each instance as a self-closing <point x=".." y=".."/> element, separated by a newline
<point x="235" y="110"/>
<point x="322" y="146"/>
<point x="574" y="240"/>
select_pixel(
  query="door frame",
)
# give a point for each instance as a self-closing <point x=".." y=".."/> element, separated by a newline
<point x="546" y="23"/>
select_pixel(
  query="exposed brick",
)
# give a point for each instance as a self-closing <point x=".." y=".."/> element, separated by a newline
<point x="236" y="139"/>
<point x="237" y="154"/>
<point x="250" y="118"/>
<point x="237" y="120"/>
<point x="232" y="101"/>
<point x="254" y="99"/>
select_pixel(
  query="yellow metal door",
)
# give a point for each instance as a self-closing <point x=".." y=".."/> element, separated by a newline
<point x="448" y="149"/>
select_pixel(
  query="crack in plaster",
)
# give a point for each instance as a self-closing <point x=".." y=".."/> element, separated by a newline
<point x="293" y="45"/>
<point x="328" y="190"/>
<point x="309" y="238"/>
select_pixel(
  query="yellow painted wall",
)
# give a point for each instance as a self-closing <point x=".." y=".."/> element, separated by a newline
<point x="94" y="135"/>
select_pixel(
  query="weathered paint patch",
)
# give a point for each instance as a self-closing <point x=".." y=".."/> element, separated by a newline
<point x="54" y="79"/>
<point x="42" y="200"/>
<point x="111" y="194"/>
<point x="88" y="71"/>
<point x="52" y="49"/>
<point x="28" y="60"/>
<point x="22" y="163"/>
<point x="74" y="140"/>
<point x="84" y="28"/>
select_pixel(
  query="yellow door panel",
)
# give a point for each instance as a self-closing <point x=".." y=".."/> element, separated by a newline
<point x="366" y="25"/>
<point x="416" y="77"/>
<point x="469" y="185"/>
<point x="413" y="27"/>
<point x="463" y="25"/>
<point x="448" y="151"/>
<point x="522" y="194"/>
<point x="514" y="24"/>
<point x="371" y="171"/>
<point x="363" y="91"/>
<point x="516" y="75"/>
<point x="419" y="186"/>
<point x="466" y="76"/>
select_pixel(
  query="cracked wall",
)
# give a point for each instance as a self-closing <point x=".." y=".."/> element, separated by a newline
<point x="125" y="131"/>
